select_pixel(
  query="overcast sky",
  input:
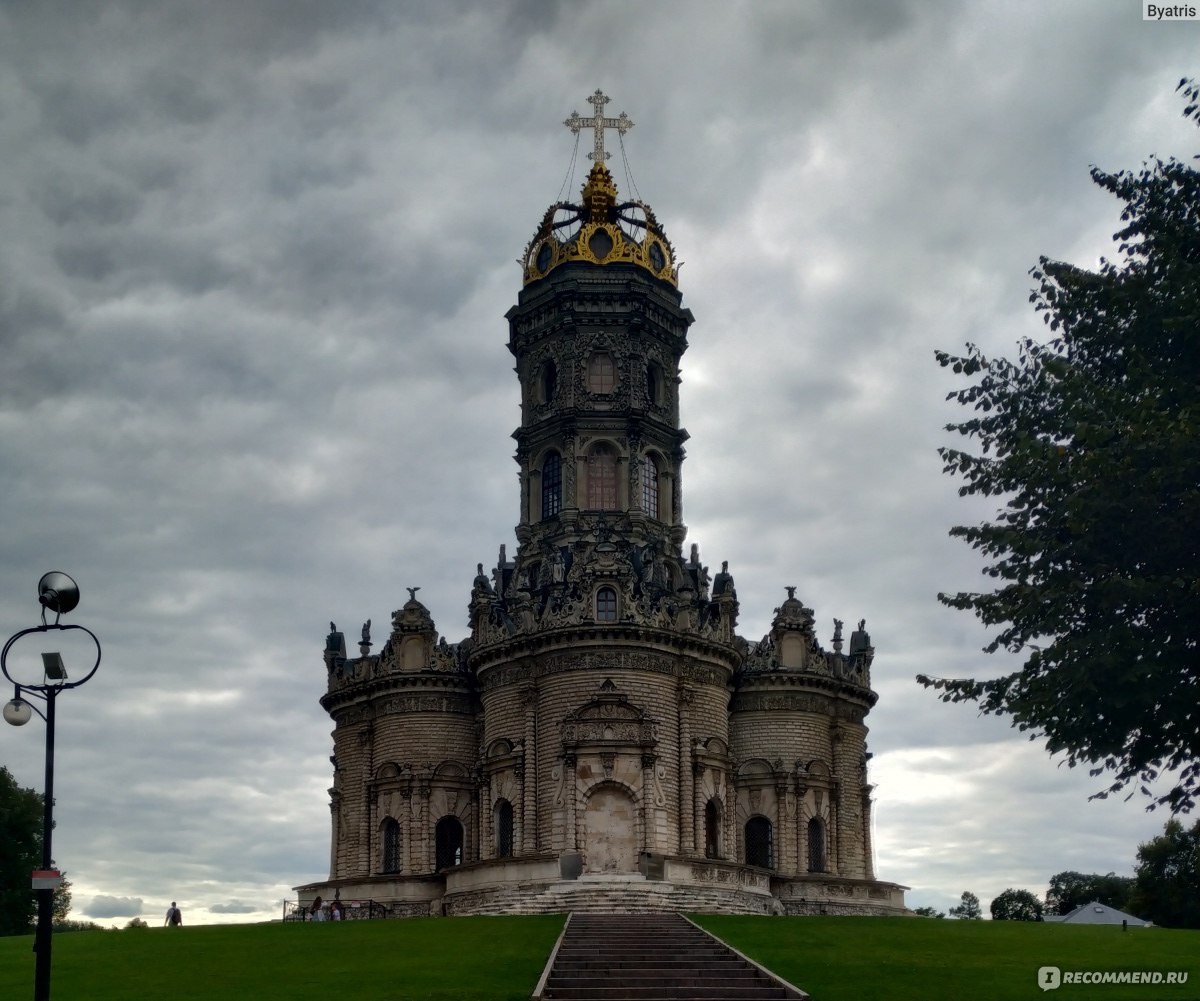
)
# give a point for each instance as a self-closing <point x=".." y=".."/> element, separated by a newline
<point x="253" y="373"/>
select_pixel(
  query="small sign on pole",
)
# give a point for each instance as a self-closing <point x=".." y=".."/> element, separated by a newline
<point x="46" y="879"/>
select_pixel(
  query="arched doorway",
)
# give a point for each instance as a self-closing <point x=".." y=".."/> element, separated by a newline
<point x="610" y="834"/>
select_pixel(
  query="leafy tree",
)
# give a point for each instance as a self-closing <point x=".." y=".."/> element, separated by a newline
<point x="20" y="853"/>
<point x="136" y="923"/>
<point x="1069" y="890"/>
<point x="1092" y="440"/>
<point x="62" y="900"/>
<point x="929" y="912"/>
<point x="1167" y="889"/>
<point x="1016" y="905"/>
<point x="968" y="909"/>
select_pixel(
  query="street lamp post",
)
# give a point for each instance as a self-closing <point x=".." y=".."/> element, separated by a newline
<point x="57" y="593"/>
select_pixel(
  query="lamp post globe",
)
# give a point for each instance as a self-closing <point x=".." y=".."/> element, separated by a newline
<point x="17" y="712"/>
<point x="57" y="593"/>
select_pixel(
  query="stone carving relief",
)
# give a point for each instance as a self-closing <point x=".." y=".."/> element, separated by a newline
<point x="554" y="585"/>
<point x="608" y="719"/>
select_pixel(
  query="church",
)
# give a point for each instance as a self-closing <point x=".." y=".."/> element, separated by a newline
<point x="602" y="738"/>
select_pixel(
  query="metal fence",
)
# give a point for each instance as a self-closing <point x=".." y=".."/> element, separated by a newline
<point x="350" y="910"/>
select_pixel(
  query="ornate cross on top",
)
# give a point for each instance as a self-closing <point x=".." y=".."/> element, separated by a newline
<point x="598" y="123"/>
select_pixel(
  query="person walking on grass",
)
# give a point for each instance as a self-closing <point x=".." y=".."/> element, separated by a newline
<point x="174" y="918"/>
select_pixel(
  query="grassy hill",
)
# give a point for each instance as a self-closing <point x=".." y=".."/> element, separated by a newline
<point x="914" y="959"/>
<point x="500" y="959"/>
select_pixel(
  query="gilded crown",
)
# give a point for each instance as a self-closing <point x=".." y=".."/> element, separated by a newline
<point x="600" y="230"/>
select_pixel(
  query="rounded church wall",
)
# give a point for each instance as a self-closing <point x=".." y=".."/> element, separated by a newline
<point x="504" y="714"/>
<point x="783" y="734"/>
<point x="424" y="738"/>
<point x="708" y="714"/>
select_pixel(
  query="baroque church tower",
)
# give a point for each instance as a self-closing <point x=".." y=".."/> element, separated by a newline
<point x="603" y="738"/>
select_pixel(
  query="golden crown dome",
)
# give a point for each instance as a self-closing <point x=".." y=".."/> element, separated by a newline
<point x="601" y="229"/>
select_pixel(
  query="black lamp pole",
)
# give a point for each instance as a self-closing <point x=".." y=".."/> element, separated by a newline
<point x="45" y="921"/>
<point x="58" y="593"/>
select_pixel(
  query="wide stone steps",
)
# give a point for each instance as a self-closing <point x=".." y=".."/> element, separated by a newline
<point x="643" y="957"/>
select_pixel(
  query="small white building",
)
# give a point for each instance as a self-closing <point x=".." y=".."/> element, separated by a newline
<point x="1096" y="913"/>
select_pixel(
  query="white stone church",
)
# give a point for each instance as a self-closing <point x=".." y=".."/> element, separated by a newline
<point x="602" y="738"/>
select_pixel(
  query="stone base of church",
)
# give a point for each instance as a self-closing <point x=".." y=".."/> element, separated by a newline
<point x="553" y="885"/>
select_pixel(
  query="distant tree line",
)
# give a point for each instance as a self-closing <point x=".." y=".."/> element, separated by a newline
<point x="1165" y="887"/>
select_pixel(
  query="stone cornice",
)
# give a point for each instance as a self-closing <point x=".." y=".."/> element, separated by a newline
<point x="618" y="637"/>
<point x="802" y="681"/>
<point x="425" y="682"/>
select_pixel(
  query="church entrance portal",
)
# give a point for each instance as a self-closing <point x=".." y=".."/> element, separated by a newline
<point x="611" y="836"/>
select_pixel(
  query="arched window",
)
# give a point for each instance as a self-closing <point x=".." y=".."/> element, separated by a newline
<point x="391" y="845"/>
<point x="650" y="486"/>
<point x="760" y="846"/>
<point x="653" y="383"/>
<point x="602" y="374"/>
<point x="551" y="485"/>
<point x="549" y="382"/>
<point x="504" y="829"/>
<point x="448" y="843"/>
<point x="606" y="605"/>
<point x="602" y="478"/>
<point x="816" y="845"/>
<point x="712" y="829"/>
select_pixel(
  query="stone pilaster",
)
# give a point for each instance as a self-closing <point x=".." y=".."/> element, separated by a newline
<point x="571" y="797"/>
<point x="427" y="859"/>
<point x="529" y="827"/>
<point x="408" y="856"/>
<point x="649" y="841"/>
<point x="688" y="781"/>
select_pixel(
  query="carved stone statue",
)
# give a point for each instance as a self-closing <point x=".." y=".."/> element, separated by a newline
<point x="366" y="633"/>
<point x="723" y="582"/>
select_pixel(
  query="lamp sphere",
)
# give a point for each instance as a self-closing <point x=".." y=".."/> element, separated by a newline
<point x="17" y="712"/>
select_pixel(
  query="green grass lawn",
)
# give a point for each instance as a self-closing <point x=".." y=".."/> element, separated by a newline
<point x="914" y="959"/>
<point x="500" y="959"/>
<point x="472" y="959"/>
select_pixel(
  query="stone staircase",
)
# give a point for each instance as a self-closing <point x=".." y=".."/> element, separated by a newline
<point x="651" y="957"/>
